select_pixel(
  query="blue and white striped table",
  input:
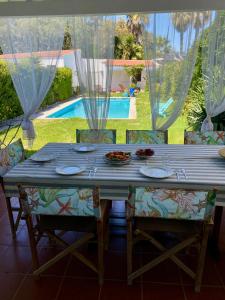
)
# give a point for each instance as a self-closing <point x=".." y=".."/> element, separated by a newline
<point x="204" y="167"/>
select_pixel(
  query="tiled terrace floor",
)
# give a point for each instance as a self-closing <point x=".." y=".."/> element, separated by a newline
<point x="69" y="280"/>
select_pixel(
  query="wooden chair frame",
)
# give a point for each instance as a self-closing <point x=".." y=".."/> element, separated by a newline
<point x="197" y="231"/>
<point x="165" y="135"/>
<point x="218" y="214"/>
<point x="14" y="222"/>
<point x="36" y="232"/>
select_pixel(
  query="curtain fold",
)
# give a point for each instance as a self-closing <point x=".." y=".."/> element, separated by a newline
<point x="171" y="42"/>
<point x="93" y="40"/>
<point x="31" y="48"/>
<point x="213" y="68"/>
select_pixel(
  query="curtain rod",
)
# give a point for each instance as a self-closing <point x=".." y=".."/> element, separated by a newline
<point x="104" y="7"/>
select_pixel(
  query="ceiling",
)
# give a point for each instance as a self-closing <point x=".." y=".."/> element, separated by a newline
<point x="78" y="7"/>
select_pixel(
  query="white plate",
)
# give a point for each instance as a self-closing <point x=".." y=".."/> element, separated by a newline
<point x="156" y="172"/>
<point x="85" y="148"/>
<point x="69" y="170"/>
<point x="41" y="157"/>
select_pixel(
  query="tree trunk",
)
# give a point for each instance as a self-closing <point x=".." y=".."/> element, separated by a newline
<point x="181" y="43"/>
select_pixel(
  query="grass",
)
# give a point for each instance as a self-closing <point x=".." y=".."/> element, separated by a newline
<point x="63" y="130"/>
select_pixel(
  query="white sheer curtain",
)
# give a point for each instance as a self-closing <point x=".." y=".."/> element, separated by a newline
<point x="171" y="42"/>
<point x="93" y="40"/>
<point x="32" y="48"/>
<point x="213" y="66"/>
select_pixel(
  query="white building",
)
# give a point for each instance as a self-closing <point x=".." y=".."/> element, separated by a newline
<point x="120" y="78"/>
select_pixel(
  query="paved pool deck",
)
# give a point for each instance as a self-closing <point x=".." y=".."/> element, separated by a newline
<point x="58" y="106"/>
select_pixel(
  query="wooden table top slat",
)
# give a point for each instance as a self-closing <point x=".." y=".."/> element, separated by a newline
<point x="204" y="167"/>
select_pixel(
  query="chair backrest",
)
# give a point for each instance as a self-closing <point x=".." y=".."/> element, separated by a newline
<point x="11" y="156"/>
<point x="204" y="138"/>
<point x="170" y="204"/>
<point x="104" y="136"/>
<point x="74" y="201"/>
<point x="146" y="137"/>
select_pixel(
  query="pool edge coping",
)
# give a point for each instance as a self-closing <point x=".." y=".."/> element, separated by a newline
<point x="44" y="114"/>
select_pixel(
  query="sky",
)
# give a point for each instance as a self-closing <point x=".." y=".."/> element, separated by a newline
<point x="165" y="29"/>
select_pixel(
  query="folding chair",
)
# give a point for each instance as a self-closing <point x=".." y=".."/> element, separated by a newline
<point x="146" y="137"/>
<point x="66" y="209"/>
<point x="10" y="156"/>
<point x="105" y="136"/>
<point x="204" y="138"/>
<point x="210" y="138"/>
<point x="178" y="211"/>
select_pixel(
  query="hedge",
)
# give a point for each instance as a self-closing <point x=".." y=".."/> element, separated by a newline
<point x="61" y="89"/>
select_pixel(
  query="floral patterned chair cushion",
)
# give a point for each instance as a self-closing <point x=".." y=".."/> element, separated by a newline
<point x="61" y="201"/>
<point x="146" y="137"/>
<point x="105" y="136"/>
<point x="205" y="138"/>
<point x="11" y="156"/>
<point x="170" y="204"/>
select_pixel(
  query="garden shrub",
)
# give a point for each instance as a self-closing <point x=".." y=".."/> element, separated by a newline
<point x="197" y="112"/>
<point x="134" y="73"/>
<point x="195" y="104"/>
<point x="61" y="89"/>
<point x="9" y="103"/>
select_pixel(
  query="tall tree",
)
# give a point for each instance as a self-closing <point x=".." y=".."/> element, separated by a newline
<point x="67" y="43"/>
<point x="134" y="24"/>
<point x="163" y="46"/>
<point x="181" y="21"/>
<point x="126" y="48"/>
<point x="126" y="45"/>
<point x="121" y="28"/>
<point x="201" y="18"/>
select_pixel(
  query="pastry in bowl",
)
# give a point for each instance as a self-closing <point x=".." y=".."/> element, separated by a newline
<point x="118" y="157"/>
<point x="144" y="153"/>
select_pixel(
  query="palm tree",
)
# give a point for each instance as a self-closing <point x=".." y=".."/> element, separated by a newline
<point x="128" y="49"/>
<point x="135" y="26"/>
<point x="201" y="18"/>
<point x="181" y="21"/>
<point x="163" y="46"/>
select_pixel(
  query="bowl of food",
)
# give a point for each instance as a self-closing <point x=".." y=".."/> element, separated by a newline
<point x="118" y="157"/>
<point x="144" y="153"/>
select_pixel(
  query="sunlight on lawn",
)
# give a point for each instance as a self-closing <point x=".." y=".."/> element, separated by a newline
<point x="64" y="130"/>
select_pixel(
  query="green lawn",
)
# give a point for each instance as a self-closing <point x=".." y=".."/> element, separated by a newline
<point x="50" y="130"/>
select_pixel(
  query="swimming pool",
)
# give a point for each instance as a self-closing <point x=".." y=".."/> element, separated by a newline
<point x="119" y="108"/>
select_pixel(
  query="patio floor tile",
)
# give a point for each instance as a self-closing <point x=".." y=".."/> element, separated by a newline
<point x="59" y="267"/>
<point x="16" y="260"/>
<point x="166" y="272"/>
<point x="70" y="279"/>
<point x="45" y="289"/>
<point x="120" y="291"/>
<point x="79" y="289"/>
<point x="206" y="293"/>
<point x="9" y="283"/>
<point x="211" y="275"/>
<point x="162" y="292"/>
<point x="77" y="269"/>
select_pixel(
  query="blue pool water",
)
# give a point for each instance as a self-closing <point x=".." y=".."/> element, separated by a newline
<point x="118" y="109"/>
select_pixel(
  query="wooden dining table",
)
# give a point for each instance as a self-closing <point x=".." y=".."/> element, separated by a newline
<point x="203" y="166"/>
